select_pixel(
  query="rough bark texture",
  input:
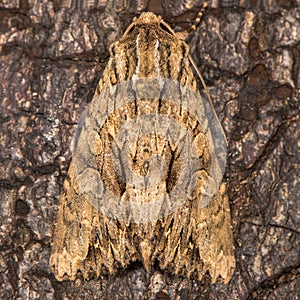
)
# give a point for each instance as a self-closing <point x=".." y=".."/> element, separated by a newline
<point x="51" y="60"/>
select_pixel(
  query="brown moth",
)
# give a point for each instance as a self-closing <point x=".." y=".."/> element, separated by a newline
<point x="145" y="181"/>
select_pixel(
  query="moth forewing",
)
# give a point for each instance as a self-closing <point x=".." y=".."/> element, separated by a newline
<point x="145" y="179"/>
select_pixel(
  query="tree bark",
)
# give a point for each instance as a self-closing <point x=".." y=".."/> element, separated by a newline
<point x="51" y="60"/>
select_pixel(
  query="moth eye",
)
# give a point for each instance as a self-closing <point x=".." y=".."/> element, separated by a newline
<point x="165" y="28"/>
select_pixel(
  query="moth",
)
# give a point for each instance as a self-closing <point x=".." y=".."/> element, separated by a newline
<point x="145" y="180"/>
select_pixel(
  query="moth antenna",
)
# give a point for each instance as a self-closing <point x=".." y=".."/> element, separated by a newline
<point x="199" y="16"/>
<point x="206" y="92"/>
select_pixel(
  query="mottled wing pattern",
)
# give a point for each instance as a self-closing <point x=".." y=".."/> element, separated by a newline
<point x="191" y="240"/>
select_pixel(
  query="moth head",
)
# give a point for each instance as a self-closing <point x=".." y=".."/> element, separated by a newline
<point x="149" y="26"/>
<point x="149" y="19"/>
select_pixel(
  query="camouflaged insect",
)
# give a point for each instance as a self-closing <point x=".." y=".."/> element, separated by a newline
<point x="145" y="181"/>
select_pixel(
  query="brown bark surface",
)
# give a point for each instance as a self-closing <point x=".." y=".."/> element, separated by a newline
<point x="51" y="58"/>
